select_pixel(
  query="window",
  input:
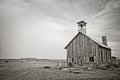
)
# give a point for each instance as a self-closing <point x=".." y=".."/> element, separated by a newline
<point x="72" y="59"/>
<point x="91" y="59"/>
<point x="101" y="56"/>
<point x="106" y="57"/>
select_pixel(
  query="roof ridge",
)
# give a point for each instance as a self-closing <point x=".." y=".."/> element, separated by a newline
<point x="95" y="40"/>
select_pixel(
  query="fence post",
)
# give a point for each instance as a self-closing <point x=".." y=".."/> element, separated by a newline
<point x="57" y="64"/>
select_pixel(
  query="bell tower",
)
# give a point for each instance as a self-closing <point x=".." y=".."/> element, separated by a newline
<point x="82" y="27"/>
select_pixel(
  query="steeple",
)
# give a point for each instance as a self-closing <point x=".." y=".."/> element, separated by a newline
<point x="82" y="27"/>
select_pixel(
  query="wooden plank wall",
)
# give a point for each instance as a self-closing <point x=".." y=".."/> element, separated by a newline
<point x="105" y="54"/>
<point x="82" y="47"/>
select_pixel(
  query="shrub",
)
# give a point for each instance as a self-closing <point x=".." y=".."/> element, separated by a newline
<point x="6" y="61"/>
<point x="112" y="65"/>
<point x="108" y="65"/>
<point x="59" y="68"/>
<point x="46" y="67"/>
<point x="102" y="68"/>
<point x="116" y="65"/>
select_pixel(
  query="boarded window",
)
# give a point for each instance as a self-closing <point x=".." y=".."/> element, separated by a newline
<point x="91" y="59"/>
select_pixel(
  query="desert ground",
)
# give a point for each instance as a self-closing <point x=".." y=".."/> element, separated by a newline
<point x="36" y="71"/>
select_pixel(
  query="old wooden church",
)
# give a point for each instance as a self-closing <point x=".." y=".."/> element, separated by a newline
<point x="83" y="50"/>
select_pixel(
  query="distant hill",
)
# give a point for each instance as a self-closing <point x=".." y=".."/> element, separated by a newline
<point x="32" y="60"/>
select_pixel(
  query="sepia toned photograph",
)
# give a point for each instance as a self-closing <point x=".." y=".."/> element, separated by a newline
<point x="59" y="39"/>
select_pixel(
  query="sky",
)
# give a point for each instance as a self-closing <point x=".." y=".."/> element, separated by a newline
<point x="42" y="28"/>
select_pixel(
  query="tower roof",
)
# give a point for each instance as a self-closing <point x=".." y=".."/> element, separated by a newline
<point x="82" y="23"/>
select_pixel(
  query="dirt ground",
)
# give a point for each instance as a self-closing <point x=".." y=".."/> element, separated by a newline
<point x="34" y="71"/>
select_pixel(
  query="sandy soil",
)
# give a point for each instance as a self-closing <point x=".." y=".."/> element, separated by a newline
<point x="34" y="71"/>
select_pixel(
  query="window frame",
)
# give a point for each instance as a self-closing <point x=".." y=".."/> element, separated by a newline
<point x="91" y="59"/>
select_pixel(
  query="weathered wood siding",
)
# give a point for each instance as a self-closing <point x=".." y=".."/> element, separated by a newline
<point x="104" y="55"/>
<point x="82" y="47"/>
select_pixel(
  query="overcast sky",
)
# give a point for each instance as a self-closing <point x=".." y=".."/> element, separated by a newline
<point x="42" y="28"/>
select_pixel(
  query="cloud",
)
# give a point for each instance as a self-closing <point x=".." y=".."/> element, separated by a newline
<point x="41" y="28"/>
<point x="110" y="19"/>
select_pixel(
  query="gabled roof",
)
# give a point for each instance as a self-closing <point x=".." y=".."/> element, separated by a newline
<point x="96" y="41"/>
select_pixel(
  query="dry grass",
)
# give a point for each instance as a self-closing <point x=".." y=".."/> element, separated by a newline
<point x="34" y="71"/>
